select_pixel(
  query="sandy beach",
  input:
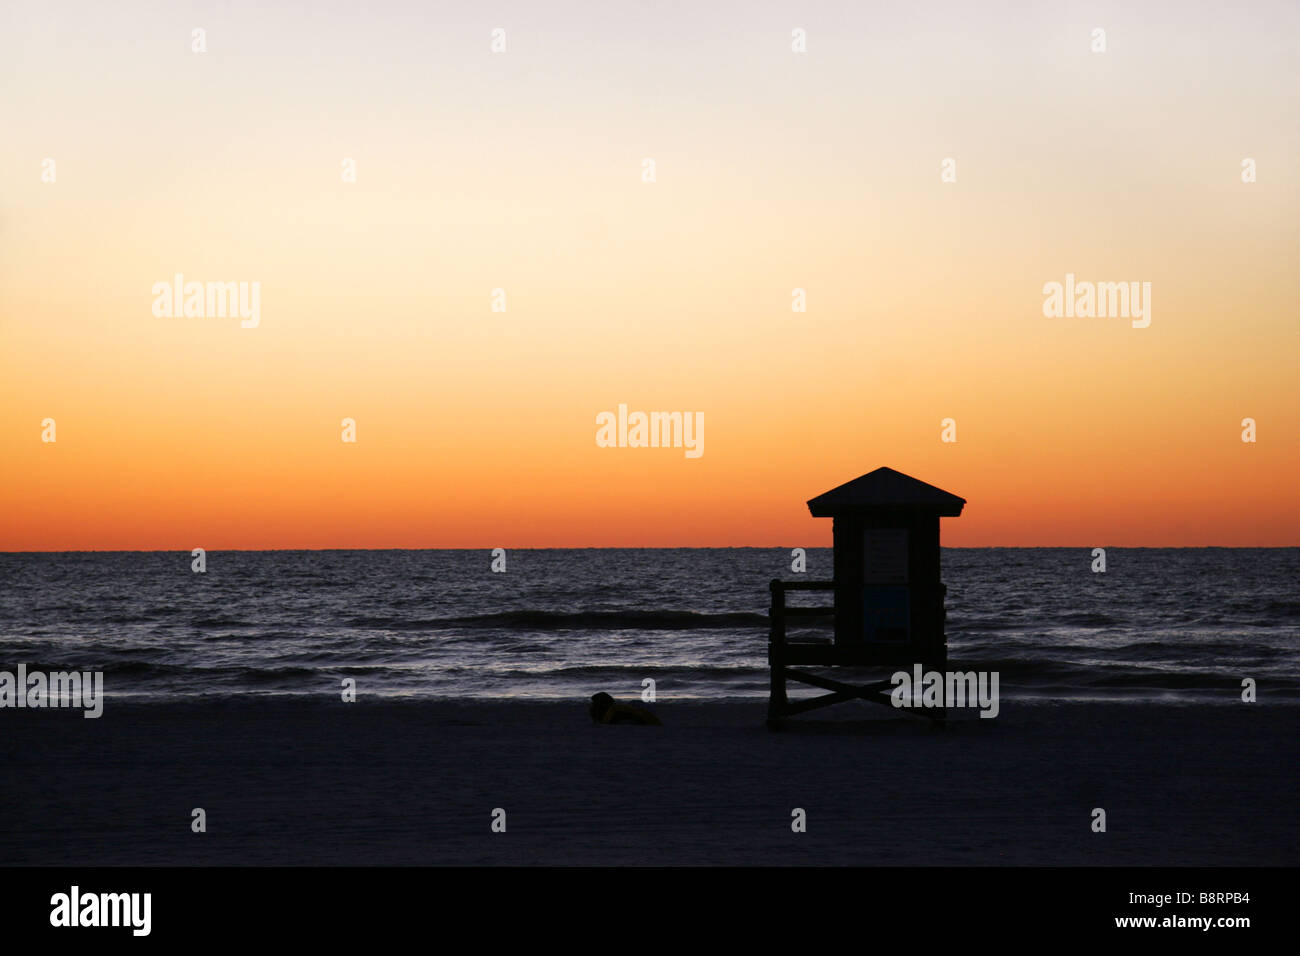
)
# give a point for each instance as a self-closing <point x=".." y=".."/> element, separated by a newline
<point x="312" y="783"/>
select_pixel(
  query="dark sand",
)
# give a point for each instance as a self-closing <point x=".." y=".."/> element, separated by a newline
<point x="391" y="783"/>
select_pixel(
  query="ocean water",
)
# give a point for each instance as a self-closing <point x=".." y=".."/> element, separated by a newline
<point x="1160" y="624"/>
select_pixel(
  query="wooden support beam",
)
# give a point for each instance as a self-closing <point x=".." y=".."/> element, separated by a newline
<point x="840" y="692"/>
<point x="814" y="703"/>
<point x="827" y="683"/>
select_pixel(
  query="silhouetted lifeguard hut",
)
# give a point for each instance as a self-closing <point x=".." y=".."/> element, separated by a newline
<point x="888" y="597"/>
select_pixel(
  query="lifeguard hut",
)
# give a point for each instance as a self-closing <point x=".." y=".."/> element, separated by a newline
<point x="888" y="598"/>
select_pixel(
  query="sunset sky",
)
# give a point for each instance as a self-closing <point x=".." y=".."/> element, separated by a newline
<point x="522" y="171"/>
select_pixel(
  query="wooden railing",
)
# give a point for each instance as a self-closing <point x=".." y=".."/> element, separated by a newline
<point x="779" y="611"/>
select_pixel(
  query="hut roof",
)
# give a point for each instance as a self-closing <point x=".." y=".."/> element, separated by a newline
<point x="885" y="490"/>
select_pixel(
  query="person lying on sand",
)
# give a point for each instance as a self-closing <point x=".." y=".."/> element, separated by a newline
<point x="607" y="710"/>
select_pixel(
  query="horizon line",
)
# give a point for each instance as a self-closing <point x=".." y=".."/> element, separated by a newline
<point x="659" y="547"/>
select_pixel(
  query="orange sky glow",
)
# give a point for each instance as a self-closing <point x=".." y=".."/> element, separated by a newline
<point x="524" y="171"/>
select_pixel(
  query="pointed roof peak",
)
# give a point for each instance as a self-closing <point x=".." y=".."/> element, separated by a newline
<point x="885" y="490"/>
